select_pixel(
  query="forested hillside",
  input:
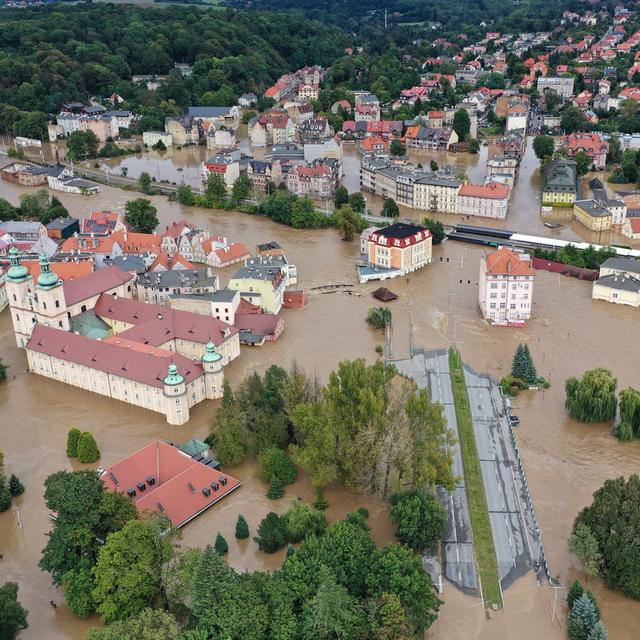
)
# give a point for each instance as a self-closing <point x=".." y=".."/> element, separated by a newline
<point x="54" y="54"/>
<point x="459" y="16"/>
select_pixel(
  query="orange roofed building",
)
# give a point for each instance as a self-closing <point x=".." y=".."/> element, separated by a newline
<point x="506" y="287"/>
<point x="161" y="478"/>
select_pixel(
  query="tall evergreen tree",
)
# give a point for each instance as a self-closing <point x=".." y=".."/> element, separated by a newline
<point x="598" y="632"/>
<point x="575" y="591"/>
<point x="72" y="442"/>
<point x="221" y="545"/>
<point x="582" y="619"/>
<point x="518" y="364"/>
<point x="242" y="528"/>
<point x="530" y="370"/>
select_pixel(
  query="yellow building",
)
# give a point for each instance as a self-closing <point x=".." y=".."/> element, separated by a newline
<point x="560" y="188"/>
<point x="263" y="284"/>
<point x="593" y="215"/>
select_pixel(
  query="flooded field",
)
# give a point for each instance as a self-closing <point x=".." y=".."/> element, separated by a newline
<point x="565" y="461"/>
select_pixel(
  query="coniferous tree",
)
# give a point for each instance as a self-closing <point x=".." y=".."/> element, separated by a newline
<point x="5" y="494"/>
<point x="221" y="545"/>
<point x="517" y="367"/>
<point x="598" y="632"/>
<point x="87" y="448"/>
<point x="16" y="487"/>
<point x="72" y="442"/>
<point x="242" y="528"/>
<point x="531" y="374"/>
<point x="276" y="490"/>
<point x="271" y="533"/>
<point x="582" y="619"/>
<point x="575" y="591"/>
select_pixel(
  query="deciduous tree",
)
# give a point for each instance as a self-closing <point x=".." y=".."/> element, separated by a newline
<point x="140" y="215"/>
<point x="593" y="397"/>
<point x="420" y="518"/>
<point x="13" y="616"/>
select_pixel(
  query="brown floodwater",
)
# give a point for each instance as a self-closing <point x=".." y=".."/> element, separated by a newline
<point x="565" y="462"/>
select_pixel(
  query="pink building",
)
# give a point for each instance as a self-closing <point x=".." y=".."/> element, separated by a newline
<point x="506" y="287"/>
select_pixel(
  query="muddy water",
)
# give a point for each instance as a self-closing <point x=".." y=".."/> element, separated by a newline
<point x="565" y="461"/>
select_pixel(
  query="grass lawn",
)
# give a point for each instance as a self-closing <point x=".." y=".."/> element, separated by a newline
<point x="480" y="522"/>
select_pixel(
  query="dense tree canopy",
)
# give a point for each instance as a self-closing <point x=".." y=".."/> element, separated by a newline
<point x="593" y="397"/>
<point x="613" y="519"/>
<point x="51" y="55"/>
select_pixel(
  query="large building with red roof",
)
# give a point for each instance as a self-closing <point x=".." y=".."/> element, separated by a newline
<point x="506" y="286"/>
<point x="160" y="478"/>
<point x="91" y="334"/>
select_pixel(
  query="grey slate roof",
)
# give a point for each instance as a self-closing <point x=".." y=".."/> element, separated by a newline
<point x="208" y="112"/>
<point x="623" y="283"/>
<point x="622" y="264"/>
<point x="179" y="278"/>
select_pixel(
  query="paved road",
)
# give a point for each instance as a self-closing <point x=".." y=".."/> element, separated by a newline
<point x="499" y="469"/>
<point x="431" y="370"/>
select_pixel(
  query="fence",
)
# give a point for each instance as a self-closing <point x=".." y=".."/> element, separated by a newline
<point x="542" y="558"/>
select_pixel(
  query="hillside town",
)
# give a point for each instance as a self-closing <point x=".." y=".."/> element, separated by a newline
<point x="274" y="282"/>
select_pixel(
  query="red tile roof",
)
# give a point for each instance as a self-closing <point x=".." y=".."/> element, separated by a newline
<point x="179" y="481"/>
<point x="137" y="242"/>
<point x="163" y="260"/>
<point x="147" y="367"/>
<point x="506" y="262"/>
<point x="155" y="325"/>
<point x="176" y="228"/>
<point x="230" y="253"/>
<point x="93" y="284"/>
<point x="90" y="244"/>
<point x="492" y="190"/>
<point x="66" y="271"/>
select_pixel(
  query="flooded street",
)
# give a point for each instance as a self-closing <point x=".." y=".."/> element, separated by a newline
<point x="565" y="461"/>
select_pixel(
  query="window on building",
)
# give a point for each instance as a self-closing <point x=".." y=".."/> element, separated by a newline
<point x="503" y="305"/>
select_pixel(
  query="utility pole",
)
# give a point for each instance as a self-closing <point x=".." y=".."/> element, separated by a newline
<point x="556" y="588"/>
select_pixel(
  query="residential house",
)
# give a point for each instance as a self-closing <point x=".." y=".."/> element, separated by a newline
<point x="430" y="137"/>
<point x="157" y="287"/>
<point x="631" y="229"/>
<point x="26" y="175"/>
<point x="183" y="130"/>
<point x="262" y="284"/>
<point x="220" y="138"/>
<point x="517" y="115"/>
<point x="562" y="85"/>
<point x="488" y="201"/>
<point x="103" y="223"/>
<point x="506" y="287"/>
<point x="220" y="253"/>
<point x="619" y="282"/>
<point x="224" y="164"/>
<point x="247" y="100"/>
<point x="327" y="148"/>
<point x="228" y="117"/>
<point x="60" y="178"/>
<point x="592" y="144"/>
<point x="316" y="179"/>
<point x="314" y="130"/>
<point x="308" y="92"/>
<point x="261" y="173"/>
<point x="592" y="214"/>
<point x="398" y="249"/>
<point x="102" y="248"/>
